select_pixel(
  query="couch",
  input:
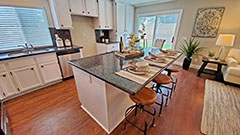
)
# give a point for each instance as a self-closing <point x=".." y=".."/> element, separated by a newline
<point x="231" y="72"/>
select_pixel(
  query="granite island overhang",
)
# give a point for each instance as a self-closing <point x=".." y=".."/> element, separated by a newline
<point x="103" y="94"/>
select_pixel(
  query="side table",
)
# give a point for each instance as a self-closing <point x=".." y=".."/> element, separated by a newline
<point x="218" y="73"/>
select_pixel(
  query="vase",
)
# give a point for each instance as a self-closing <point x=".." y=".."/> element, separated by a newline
<point x="186" y="63"/>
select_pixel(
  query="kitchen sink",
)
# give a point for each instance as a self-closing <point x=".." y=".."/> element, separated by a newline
<point x="17" y="53"/>
<point x="26" y="52"/>
<point x="39" y="50"/>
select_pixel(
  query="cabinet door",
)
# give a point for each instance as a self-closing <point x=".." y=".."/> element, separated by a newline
<point x="120" y="17"/>
<point x="7" y="87"/>
<point x="101" y="48"/>
<point x="77" y="7"/>
<point x="50" y="72"/>
<point x="100" y="22"/>
<point x="27" y="78"/>
<point x="109" y="14"/>
<point x="92" y="8"/>
<point x="61" y="14"/>
<point x="129" y="19"/>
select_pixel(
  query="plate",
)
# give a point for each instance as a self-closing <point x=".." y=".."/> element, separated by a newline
<point x="137" y="73"/>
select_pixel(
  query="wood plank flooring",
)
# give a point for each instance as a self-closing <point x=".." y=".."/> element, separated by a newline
<point x="55" y="110"/>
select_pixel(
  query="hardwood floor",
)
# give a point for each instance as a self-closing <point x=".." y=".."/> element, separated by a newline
<point x="55" y="110"/>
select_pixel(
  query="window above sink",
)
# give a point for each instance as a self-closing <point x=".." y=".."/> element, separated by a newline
<point x="23" y="25"/>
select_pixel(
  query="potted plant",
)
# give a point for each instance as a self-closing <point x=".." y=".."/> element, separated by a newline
<point x="189" y="48"/>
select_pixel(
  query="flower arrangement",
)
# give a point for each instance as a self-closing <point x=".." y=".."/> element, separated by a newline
<point x="133" y="40"/>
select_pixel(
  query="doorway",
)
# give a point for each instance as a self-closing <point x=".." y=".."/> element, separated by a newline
<point x="162" y="25"/>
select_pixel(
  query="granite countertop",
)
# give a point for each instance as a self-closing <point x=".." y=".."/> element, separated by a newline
<point x="37" y="51"/>
<point x="104" y="66"/>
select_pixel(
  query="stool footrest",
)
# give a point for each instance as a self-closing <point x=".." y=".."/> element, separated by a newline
<point x="136" y="106"/>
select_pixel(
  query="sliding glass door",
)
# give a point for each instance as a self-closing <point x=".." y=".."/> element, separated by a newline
<point x="149" y="23"/>
<point x="161" y="25"/>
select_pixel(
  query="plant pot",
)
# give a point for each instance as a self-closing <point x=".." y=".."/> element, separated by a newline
<point x="186" y="63"/>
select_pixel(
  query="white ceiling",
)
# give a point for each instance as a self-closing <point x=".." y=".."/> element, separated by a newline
<point x="138" y="3"/>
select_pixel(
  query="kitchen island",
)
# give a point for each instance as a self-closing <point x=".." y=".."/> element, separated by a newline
<point x="104" y="94"/>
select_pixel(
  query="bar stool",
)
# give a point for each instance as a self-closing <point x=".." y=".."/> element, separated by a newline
<point x="171" y="70"/>
<point x="142" y="98"/>
<point x="160" y="81"/>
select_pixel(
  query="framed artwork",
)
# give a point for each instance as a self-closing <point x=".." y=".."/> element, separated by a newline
<point x="207" y="22"/>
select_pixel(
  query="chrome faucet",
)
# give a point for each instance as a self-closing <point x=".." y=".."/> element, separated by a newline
<point x="26" y="47"/>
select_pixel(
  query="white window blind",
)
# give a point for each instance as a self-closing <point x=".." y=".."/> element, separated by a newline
<point x="23" y="25"/>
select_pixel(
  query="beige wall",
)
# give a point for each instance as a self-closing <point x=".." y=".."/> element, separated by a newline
<point x="230" y="22"/>
<point x="83" y="33"/>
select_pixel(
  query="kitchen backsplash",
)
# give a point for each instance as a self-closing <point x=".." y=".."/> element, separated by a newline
<point x="64" y="34"/>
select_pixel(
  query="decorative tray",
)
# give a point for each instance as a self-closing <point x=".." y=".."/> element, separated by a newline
<point x="128" y="55"/>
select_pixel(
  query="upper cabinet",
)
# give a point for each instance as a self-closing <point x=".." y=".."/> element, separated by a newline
<point x="123" y="21"/>
<point x="61" y="14"/>
<point x="105" y="19"/>
<point x="84" y="7"/>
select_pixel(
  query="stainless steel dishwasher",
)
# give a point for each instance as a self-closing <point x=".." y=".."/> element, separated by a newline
<point x="65" y="67"/>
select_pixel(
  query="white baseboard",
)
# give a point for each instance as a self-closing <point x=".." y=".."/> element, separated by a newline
<point x="31" y="90"/>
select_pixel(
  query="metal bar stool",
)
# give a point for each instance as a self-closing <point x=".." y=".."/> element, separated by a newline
<point x="160" y="81"/>
<point x="142" y="98"/>
<point x="171" y="70"/>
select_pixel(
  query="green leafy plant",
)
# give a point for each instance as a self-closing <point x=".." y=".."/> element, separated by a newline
<point x="190" y="48"/>
<point x="211" y="54"/>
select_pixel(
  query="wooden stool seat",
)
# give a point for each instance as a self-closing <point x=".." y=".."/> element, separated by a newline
<point x="145" y="96"/>
<point x="172" y="69"/>
<point x="162" y="79"/>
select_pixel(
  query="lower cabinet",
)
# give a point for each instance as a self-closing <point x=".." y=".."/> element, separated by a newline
<point x="104" y="48"/>
<point x="7" y="87"/>
<point x="50" y="72"/>
<point x="28" y="73"/>
<point x="26" y="77"/>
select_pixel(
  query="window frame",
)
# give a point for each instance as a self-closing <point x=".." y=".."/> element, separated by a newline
<point x="34" y="7"/>
<point x="156" y="14"/>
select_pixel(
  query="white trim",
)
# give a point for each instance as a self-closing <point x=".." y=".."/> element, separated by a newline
<point x="152" y="3"/>
<point x="31" y="90"/>
<point x="156" y="14"/>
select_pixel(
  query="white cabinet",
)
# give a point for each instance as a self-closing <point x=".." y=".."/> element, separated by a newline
<point x="7" y="87"/>
<point x="50" y="72"/>
<point x="61" y="14"/>
<point x="28" y="73"/>
<point x="77" y="7"/>
<point x="105" y="19"/>
<point x="84" y="7"/>
<point x="27" y="77"/>
<point x="92" y="8"/>
<point x="104" y="48"/>
<point x="123" y="21"/>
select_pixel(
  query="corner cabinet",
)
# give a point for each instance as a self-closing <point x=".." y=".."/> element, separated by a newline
<point x="84" y="7"/>
<point x="7" y="87"/>
<point x="105" y="19"/>
<point x="61" y="14"/>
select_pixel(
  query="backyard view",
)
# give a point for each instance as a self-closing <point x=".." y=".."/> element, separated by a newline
<point x="163" y="28"/>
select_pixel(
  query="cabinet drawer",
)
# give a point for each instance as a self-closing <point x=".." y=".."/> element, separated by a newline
<point x="110" y="47"/>
<point x="46" y="58"/>
<point x="19" y="63"/>
<point x="2" y="68"/>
